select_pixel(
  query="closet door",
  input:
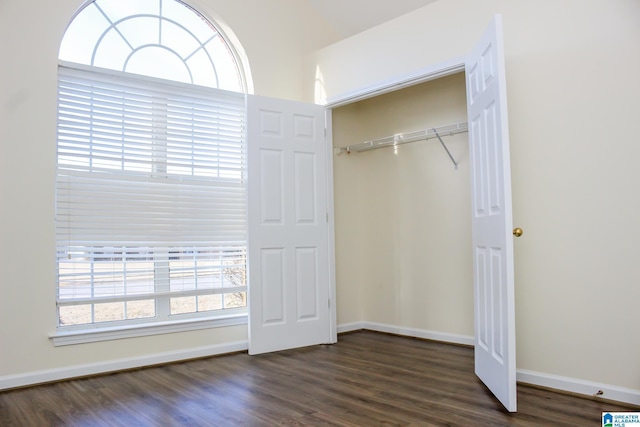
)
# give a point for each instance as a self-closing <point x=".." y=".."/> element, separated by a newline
<point x="495" y="351"/>
<point x="289" y="278"/>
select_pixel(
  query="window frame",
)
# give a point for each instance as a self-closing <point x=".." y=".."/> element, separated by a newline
<point x="92" y="332"/>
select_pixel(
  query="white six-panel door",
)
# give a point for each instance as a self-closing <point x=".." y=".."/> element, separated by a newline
<point x="492" y="222"/>
<point x="288" y="225"/>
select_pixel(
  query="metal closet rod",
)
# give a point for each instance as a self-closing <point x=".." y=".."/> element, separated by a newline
<point x="404" y="138"/>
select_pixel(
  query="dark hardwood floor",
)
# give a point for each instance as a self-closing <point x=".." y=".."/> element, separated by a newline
<point x="367" y="379"/>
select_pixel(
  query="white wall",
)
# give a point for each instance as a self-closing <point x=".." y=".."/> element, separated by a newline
<point x="276" y="35"/>
<point x="30" y="34"/>
<point x="573" y="95"/>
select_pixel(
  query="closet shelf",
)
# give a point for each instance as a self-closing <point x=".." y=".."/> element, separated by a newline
<point x="403" y="138"/>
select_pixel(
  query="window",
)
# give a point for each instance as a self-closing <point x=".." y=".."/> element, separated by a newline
<point x="158" y="38"/>
<point x="151" y="180"/>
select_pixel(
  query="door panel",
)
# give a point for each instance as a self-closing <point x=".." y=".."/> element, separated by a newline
<point x="492" y="222"/>
<point x="305" y="176"/>
<point x="289" y="278"/>
<point x="307" y="283"/>
<point x="272" y="280"/>
<point x="271" y="197"/>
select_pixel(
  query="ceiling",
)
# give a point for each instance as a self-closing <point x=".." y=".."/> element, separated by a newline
<point x="349" y="17"/>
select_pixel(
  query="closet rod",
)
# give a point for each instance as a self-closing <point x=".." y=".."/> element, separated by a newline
<point x="404" y="138"/>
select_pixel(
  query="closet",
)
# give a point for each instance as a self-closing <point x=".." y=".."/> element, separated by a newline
<point x="402" y="212"/>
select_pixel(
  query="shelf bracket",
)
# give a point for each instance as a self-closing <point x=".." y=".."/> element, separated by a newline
<point x="445" y="148"/>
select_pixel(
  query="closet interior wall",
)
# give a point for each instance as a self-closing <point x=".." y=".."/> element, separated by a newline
<point x="402" y="215"/>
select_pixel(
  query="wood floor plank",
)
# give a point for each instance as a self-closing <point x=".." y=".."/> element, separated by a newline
<point x="366" y="379"/>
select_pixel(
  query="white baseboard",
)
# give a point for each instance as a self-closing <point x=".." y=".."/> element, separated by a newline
<point x="408" y="332"/>
<point x="578" y="386"/>
<point x="39" y="377"/>
<point x="350" y="327"/>
<point x="566" y="384"/>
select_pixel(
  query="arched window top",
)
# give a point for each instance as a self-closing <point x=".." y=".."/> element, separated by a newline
<point x="159" y="38"/>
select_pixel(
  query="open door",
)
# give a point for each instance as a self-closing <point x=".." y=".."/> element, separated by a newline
<point x="495" y="347"/>
<point x="289" y="278"/>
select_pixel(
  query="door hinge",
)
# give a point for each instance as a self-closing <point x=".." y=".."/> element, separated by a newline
<point x="327" y="216"/>
<point x="329" y="303"/>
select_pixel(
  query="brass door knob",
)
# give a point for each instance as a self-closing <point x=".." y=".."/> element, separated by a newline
<point x="517" y="231"/>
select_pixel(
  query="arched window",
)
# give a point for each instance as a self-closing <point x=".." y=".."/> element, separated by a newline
<point x="157" y="38"/>
<point x="151" y="178"/>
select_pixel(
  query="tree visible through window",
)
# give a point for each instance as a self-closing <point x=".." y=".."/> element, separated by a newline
<point x="151" y="180"/>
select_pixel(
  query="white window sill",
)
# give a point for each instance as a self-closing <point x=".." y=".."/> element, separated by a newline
<point x="70" y="337"/>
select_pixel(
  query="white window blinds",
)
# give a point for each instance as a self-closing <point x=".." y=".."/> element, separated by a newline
<point x="150" y="198"/>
